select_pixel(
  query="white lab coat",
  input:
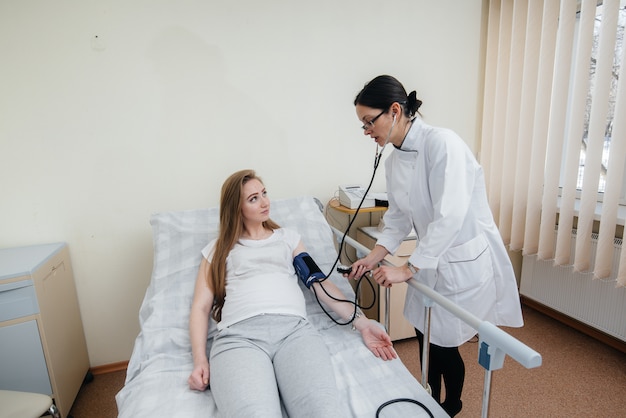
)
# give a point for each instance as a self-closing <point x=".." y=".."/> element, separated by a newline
<point x="435" y="184"/>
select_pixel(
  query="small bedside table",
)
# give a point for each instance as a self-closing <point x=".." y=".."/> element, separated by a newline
<point x="340" y="217"/>
<point x="399" y="327"/>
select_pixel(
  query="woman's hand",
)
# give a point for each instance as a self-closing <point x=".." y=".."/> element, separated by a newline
<point x="388" y="275"/>
<point x="375" y="338"/>
<point x="199" y="378"/>
<point x="359" y="268"/>
<point x="367" y="263"/>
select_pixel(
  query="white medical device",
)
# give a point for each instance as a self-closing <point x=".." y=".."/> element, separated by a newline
<point x="350" y="196"/>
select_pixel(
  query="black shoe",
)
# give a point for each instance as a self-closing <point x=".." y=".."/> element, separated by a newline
<point x="452" y="408"/>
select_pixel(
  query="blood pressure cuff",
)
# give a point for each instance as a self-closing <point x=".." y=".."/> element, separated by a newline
<point x="307" y="270"/>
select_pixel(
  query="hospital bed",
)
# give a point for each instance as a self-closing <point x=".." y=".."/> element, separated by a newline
<point x="156" y="380"/>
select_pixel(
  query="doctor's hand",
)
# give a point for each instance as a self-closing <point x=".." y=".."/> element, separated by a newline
<point x="387" y="275"/>
<point x="199" y="378"/>
<point x="367" y="263"/>
<point x="360" y="268"/>
<point x="375" y="338"/>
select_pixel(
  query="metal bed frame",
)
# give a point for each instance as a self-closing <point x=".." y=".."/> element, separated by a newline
<point x="494" y="343"/>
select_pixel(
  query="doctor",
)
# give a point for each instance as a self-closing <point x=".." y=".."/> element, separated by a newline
<point x="435" y="185"/>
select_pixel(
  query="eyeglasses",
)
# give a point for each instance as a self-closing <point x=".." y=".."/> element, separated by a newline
<point x="370" y="124"/>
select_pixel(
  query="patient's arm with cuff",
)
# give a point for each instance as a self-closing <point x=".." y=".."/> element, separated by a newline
<point x="374" y="336"/>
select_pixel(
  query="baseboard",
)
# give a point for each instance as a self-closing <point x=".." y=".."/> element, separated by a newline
<point x="577" y="325"/>
<point x="109" y="368"/>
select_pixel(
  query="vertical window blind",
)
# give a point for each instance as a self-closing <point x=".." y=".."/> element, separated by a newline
<point x="554" y="127"/>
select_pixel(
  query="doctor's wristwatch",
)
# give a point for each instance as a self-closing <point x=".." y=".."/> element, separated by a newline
<point x="412" y="268"/>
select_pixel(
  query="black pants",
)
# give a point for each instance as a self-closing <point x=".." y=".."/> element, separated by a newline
<point x="446" y="363"/>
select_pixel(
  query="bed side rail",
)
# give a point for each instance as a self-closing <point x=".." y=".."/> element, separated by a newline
<point x="488" y="332"/>
<point x="494" y="343"/>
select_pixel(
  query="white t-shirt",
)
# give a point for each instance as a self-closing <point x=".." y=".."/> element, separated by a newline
<point x="260" y="278"/>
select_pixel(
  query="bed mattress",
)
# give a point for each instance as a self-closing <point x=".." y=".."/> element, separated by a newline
<point x="156" y="381"/>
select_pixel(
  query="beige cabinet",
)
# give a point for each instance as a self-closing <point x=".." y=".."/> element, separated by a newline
<point x="341" y="217"/>
<point x="362" y="225"/>
<point x="399" y="327"/>
<point x="42" y="342"/>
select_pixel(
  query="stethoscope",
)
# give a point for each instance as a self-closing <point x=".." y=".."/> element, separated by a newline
<point x="377" y="156"/>
<point x="379" y="150"/>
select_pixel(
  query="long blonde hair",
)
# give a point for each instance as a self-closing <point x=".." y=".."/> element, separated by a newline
<point x="230" y="230"/>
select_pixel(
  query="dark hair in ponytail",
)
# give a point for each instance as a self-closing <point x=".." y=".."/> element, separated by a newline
<point x="385" y="90"/>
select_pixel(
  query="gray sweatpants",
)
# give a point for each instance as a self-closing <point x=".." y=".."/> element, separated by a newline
<point x="256" y="363"/>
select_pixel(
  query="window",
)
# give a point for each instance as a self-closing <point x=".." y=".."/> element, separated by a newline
<point x="619" y="43"/>
<point x="549" y="140"/>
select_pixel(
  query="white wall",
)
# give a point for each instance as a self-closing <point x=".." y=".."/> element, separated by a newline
<point x="112" y="110"/>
